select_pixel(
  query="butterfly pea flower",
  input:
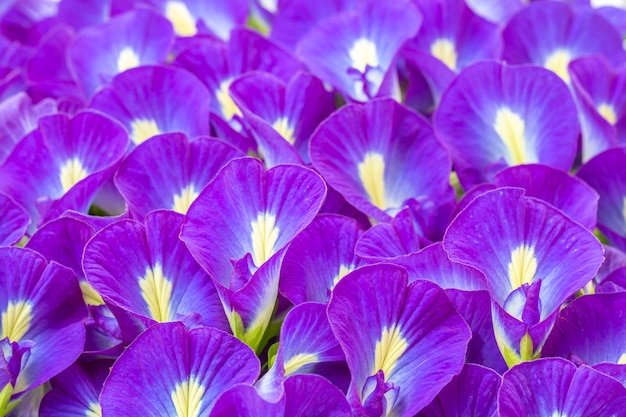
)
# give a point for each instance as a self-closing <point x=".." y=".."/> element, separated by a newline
<point x="14" y="221"/>
<point x="534" y="258"/>
<point x="18" y="117"/>
<point x="40" y="335"/>
<point x="555" y="387"/>
<point x="319" y="257"/>
<point x="99" y="52"/>
<point x="185" y="168"/>
<point x="590" y="331"/>
<point x="380" y="154"/>
<point x="304" y="396"/>
<point x="171" y="371"/>
<point x="151" y="100"/>
<point x="145" y="274"/>
<point x="605" y="174"/>
<point x="599" y="90"/>
<point x="197" y="17"/>
<point x="552" y="34"/>
<point x="403" y="342"/>
<point x="473" y="392"/>
<point x="450" y="38"/>
<point x="282" y="116"/>
<point x="75" y="391"/>
<point x="62" y="164"/>
<point x="494" y="115"/>
<point x="218" y="64"/>
<point x="306" y="339"/>
<point x="355" y="51"/>
<point x="238" y="228"/>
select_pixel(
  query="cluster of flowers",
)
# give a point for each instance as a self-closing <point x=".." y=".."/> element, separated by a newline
<point x="312" y="208"/>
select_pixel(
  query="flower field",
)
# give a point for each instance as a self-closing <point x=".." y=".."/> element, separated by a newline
<point x="294" y="208"/>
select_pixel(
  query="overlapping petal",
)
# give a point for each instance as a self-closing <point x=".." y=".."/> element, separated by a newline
<point x="151" y="100"/>
<point x="147" y="275"/>
<point x="555" y="387"/>
<point x="393" y="336"/>
<point x="139" y="37"/>
<point x="355" y="51"/>
<point x="47" y="332"/>
<point x="184" y="168"/>
<point x="380" y="154"/>
<point x="169" y="370"/>
<point x="62" y="164"/>
<point x="494" y="116"/>
<point x="533" y="257"/>
<point x="319" y="257"/>
<point x="605" y="174"/>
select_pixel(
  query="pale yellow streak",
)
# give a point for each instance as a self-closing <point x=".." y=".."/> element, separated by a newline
<point x="284" y="129"/>
<point x="343" y="271"/>
<point x="127" y="59"/>
<point x="264" y="236"/>
<point x="142" y="130"/>
<point x="510" y="127"/>
<point x="156" y="290"/>
<point x="608" y="113"/>
<point x="16" y="320"/>
<point x="298" y="361"/>
<point x="228" y="106"/>
<point x="181" y="18"/>
<point x="372" y="175"/>
<point x="558" y="62"/>
<point x="363" y="54"/>
<point x="523" y="266"/>
<point x="72" y="172"/>
<point x="445" y="51"/>
<point x="183" y="201"/>
<point x="388" y="351"/>
<point x="90" y="295"/>
<point x="94" y="410"/>
<point x="187" y="398"/>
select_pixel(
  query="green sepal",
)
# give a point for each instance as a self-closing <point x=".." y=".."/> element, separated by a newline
<point x="271" y="354"/>
<point x="6" y="406"/>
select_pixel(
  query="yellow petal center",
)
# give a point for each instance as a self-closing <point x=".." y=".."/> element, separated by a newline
<point x="16" y="320"/>
<point x="388" y="351"/>
<point x="363" y="54"/>
<point x="558" y="63"/>
<point x="445" y="51"/>
<point x="181" y="18"/>
<point x="372" y="175"/>
<point x="264" y="236"/>
<point x="156" y="290"/>
<point x="284" y="129"/>
<point x="183" y="201"/>
<point x="187" y="398"/>
<point x="511" y="129"/>
<point x="523" y="266"/>
<point x="608" y="113"/>
<point x="142" y="130"/>
<point x="298" y="361"/>
<point x="228" y="106"/>
<point x="127" y="59"/>
<point x="72" y="172"/>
